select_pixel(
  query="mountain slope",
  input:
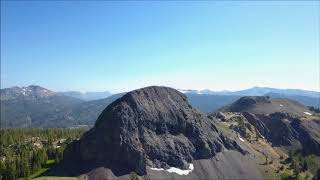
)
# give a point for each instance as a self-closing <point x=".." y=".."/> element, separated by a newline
<point x="34" y="106"/>
<point x="156" y="127"/>
<point x="30" y="92"/>
<point x="87" y="112"/>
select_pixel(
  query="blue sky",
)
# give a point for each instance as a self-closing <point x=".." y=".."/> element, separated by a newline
<point x="120" y="46"/>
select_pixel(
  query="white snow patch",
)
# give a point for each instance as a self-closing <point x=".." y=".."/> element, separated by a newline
<point x="281" y="105"/>
<point x="241" y="139"/>
<point x="190" y="91"/>
<point x="157" y="169"/>
<point x="307" y="113"/>
<point x="24" y="91"/>
<point x="176" y="170"/>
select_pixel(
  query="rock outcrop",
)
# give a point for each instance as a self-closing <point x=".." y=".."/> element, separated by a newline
<point x="266" y="105"/>
<point x="283" y="129"/>
<point x="282" y="122"/>
<point x="152" y="126"/>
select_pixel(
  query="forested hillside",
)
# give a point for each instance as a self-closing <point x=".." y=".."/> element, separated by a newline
<point x="31" y="152"/>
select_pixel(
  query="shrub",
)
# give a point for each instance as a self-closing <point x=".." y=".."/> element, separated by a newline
<point x="281" y="168"/>
<point x="270" y="162"/>
<point x="286" y="176"/>
<point x="134" y="176"/>
<point x="281" y="157"/>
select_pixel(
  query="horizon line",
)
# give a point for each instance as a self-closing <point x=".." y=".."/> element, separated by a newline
<point x="183" y="89"/>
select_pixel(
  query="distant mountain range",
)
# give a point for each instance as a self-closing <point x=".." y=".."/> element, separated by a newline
<point x="209" y="101"/>
<point x="257" y="91"/>
<point x="35" y="106"/>
<point x="87" y="96"/>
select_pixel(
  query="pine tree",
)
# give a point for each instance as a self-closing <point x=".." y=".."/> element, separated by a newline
<point x="2" y="169"/>
<point x="304" y="165"/>
<point x="317" y="176"/>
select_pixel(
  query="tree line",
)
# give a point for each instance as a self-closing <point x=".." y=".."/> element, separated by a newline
<point x="26" y="151"/>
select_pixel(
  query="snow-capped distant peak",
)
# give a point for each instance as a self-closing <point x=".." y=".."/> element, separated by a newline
<point x="184" y="91"/>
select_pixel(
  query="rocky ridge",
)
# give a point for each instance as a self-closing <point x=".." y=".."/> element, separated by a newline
<point x="282" y="122"/>
<point x="266" y="105"/>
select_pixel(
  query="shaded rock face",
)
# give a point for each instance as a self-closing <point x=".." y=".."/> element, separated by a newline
<point x="283" y="122"/>
<point x="283" y="129"/>
<point x="153" y="126"/>
<point x="275" y="127"/>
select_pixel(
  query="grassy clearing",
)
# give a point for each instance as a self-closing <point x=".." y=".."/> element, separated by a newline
<point x="42" y="170"/>
<point x="50" y="161"/>
<point x="38" y="173"/>
<point x="224" y="126"/>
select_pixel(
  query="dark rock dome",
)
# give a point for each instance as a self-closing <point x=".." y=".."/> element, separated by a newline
<point x="152" y="126"/>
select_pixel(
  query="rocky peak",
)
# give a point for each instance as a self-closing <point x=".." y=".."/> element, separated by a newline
<point x="267" y="105"/>
<point x="152" y="126"/>
<point x="32" y="91"/>
<point x="248" y="102"/>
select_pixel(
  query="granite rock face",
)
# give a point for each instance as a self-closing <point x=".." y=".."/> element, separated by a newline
<point x="152" y="126"/>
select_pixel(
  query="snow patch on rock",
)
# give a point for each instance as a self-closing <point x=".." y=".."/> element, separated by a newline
<point x="176" y="170"/>
<point x="241" y="139"/>
<point x="307" y="113"/>
<point x="157" y="169"/>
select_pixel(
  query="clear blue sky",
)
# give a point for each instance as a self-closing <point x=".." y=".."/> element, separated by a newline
<point x="119" y="46"/>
